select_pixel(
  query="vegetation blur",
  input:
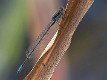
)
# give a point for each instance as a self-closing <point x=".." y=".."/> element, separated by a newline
<point x="13" y="28"/>
<point x="86" y="57"/>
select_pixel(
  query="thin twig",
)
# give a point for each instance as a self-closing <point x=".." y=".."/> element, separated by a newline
<point x="44" y="68"/>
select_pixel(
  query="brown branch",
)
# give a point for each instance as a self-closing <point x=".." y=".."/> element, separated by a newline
<point x="44" y="68"/>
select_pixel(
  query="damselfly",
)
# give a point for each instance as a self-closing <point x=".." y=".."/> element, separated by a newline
<point x="57" y="16"/>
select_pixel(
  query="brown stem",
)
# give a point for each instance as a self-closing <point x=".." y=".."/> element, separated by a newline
<point x="44" y="68"/>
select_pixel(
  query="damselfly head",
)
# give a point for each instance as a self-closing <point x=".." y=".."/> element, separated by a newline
<point x="61" y="9"/>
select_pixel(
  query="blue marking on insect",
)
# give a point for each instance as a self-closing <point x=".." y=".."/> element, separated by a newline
<point x="20" y="69"/>
<point x="58" y="14"/>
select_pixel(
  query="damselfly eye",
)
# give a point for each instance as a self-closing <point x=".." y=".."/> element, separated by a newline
<point x="61" y="9"/>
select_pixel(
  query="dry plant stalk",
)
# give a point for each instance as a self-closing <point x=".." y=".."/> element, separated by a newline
<point x="44" y="68"/>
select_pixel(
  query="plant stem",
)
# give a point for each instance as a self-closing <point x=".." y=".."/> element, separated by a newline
<point x="45" y="66"/>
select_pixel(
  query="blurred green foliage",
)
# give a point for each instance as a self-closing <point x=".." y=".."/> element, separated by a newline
<point x="13" y="26"/>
